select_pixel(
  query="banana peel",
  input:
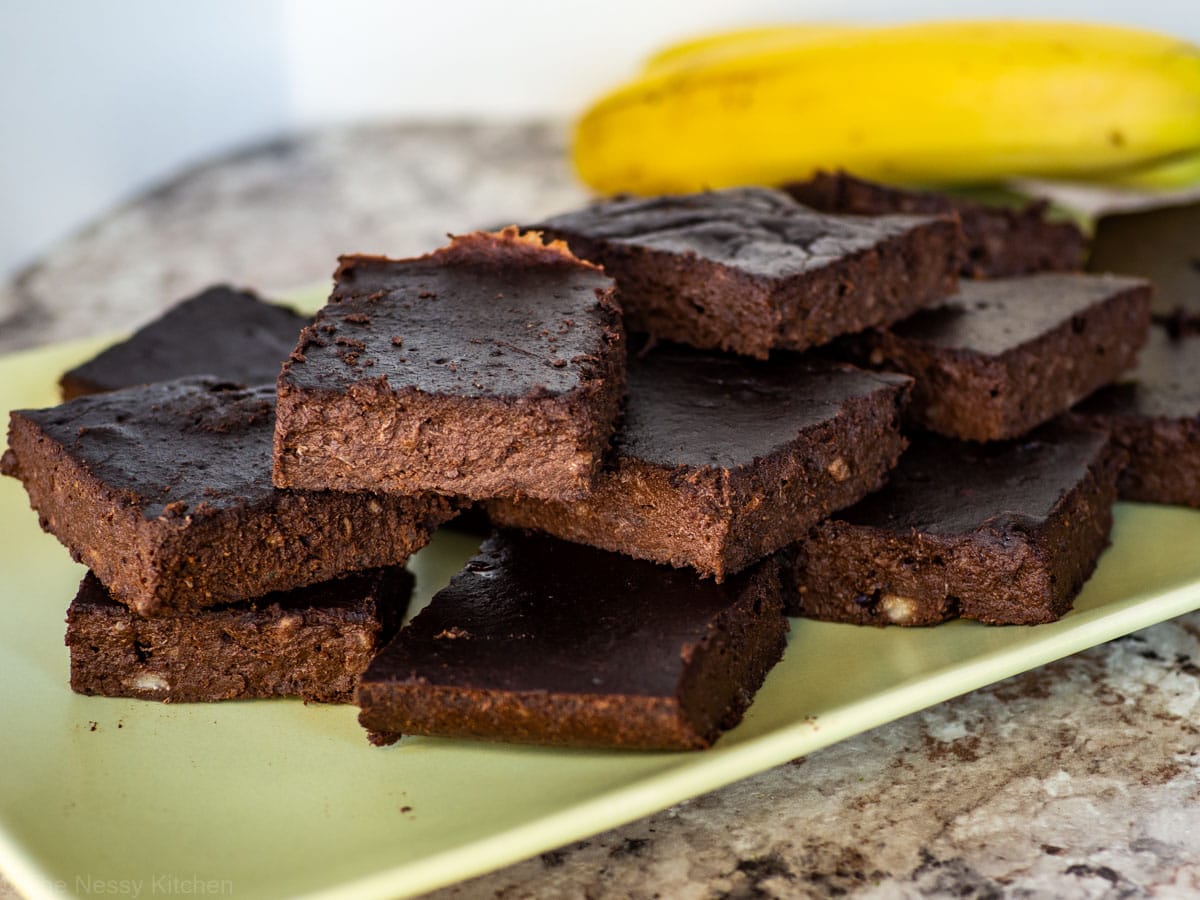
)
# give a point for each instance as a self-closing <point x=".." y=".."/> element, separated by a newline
<point x="932" y="103"/>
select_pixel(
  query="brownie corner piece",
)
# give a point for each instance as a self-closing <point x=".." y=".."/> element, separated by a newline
<point x="749" y="270"/>
<point x="494" y="366"/>
<point x="165" y="492"/>
<point x="721" y="460"/>
<point x="998" y="241"/>
<point x="542" y="641"/>
<point x="312" y="642"/>
<point x="1001" y="357"/>
<point x="1004" y="533"/>
<point x="223" y="332"/>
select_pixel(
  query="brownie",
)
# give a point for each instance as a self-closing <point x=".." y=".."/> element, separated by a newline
<point x="312" y="642"/>
<point x="1005" y="533"/>
<point x="721" y="460"/>
<point x="1162" y="244"/>
<point x="1001" y="357"/>
<point x="750" y="270"/>
<point x="1154" y="413"/>
<point x="998" y="242"/>
<point x="164" y="491"/>
<point x="491" y="367"/>
<point x="230" y="334"/>
<point x="543" y="641"/>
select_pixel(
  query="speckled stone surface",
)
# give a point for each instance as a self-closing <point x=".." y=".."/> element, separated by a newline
<point x="1075" y="780"/>
<point x="1079" y="779"/>
<point x="276" y="216"/>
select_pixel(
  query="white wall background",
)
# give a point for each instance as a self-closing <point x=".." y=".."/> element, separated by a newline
<point x="102" y="99"/>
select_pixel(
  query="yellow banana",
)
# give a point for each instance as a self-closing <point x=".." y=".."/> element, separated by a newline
<point x="1173" y="173"/>
<point x="932" y="103"/>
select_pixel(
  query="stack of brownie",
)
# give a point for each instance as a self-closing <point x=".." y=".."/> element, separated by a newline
<point x="685" y="415"/>
<point x="1154" y="410"/>
<point x="205" y="582"/>
<point x="995" y="512"/>
<point x="495" y="370"/>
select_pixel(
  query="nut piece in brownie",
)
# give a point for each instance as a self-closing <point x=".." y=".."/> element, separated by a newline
<point x="1154" y="413"/>
<point x="494" y="366"/>
<point x="721" y="460"/>
<point x="165" y="492"/>
<point x="998" y="241"/>
<point x="1005" y="533"/>
<point x="312" y="642"/>
<point x="542" y="641"/>
<point x="1001" y="357"/>
<point x="1162" y="244"/>
<point x="230" y="334"/>
<point x="750" y="270"/>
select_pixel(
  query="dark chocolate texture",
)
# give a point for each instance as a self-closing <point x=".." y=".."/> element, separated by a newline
<point x="165" y="492"/>
<point x="695" y="409"/>
<point x="312" y="642"/>
<point x="1162" y="244"/>
<point x="230" y="334"/>
<point x="1001" y="357"/>
<point x="750" y="270"/>
<point x="1006" y="533"/>
<point x="1154" y="413"/>
<point x="721" y="460"/>
<point x="543" y="641"/>
<point x="998" y="242"/>
<point x="492" y="366"/>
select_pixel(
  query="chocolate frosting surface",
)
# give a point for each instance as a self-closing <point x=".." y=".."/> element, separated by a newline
<point x="222" y="332"/>
<point x="532" y="613"/>
<point x="488" y="316"/>
<point x="762" y="232"/>
<point x="947" y="487"/>
<point x="174" y="447"/>
<point x="1165" y="384"/>
<point x="695" y="408"/>
<point x="993" y="317"/>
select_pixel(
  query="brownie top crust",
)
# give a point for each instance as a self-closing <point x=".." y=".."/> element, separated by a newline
<point x="947" y="487"/>
<point x="222" y="332"/>
<point x="1162" y="244"/>
<point x="994" y="317"/>
<point x="354" y="595"/>
<point x="532" y="613"/>
<point x="185" y="446"/>
<point x="1165" y="384"/>
<point x="695" y="408"/>
<point x="759" y="231"/>
<point x="999" y="240"/>
<point x="490" y="315"/>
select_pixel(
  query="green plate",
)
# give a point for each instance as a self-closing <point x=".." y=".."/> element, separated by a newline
<point x="273" y="798"/>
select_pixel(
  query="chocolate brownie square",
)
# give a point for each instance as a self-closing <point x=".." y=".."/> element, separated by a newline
<point x="1001" y="357"/>
<point x="312" y="642"/>
<point x="542" y="641"/>
<point x="230" y="334"/>
<point x="1154" y="413"/>
<point x="491" y="367"/>
<point x="1005" y="533"/>
<point x="998" y="242"/>
<point x="750" y="270"/>
<point x="164" y="491"/>
<point x="1162" y="244"/>
<point x="721" y="460"/>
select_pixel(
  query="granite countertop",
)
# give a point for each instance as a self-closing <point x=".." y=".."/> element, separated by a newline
<point x="1078" y="779"/>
